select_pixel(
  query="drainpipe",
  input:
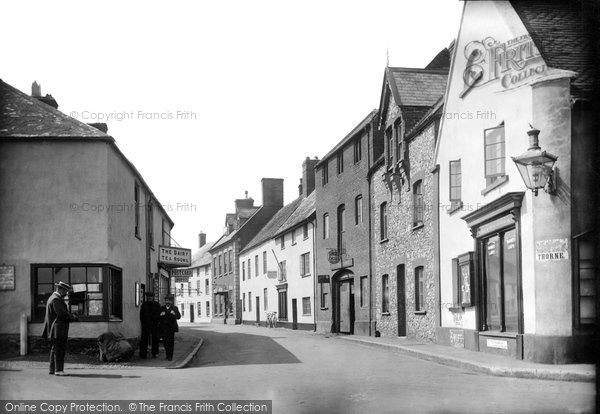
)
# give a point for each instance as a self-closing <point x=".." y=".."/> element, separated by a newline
<point x="370" y="233"/>
<point x="315" y="276"/>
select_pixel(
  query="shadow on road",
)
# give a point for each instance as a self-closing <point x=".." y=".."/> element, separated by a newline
<point x="108" y="376"/>
<point x="221" y="349"/>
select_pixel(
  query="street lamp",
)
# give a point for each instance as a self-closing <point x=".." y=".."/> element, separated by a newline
<point x="535" y="165"/>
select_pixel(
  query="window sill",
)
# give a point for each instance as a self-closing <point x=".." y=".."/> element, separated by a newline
<point x="385" y="314"/>
<point x="324" y="308"/>
<point x="501" y="180"/>
<point x="308" y="275"/>
<point x="418" y="226"/>
<point x="383" y="241"/>
<point x="454" y="208"/>
<point x="420" y="312"/>
<point x="137" y="236"/>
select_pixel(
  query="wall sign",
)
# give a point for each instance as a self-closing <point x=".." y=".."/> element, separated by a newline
<point x="494" y="225"/>
<point x="181" y="273"/>
<point x="552" y="250"/>
<point x="457" y="338"/>
<point x="496" y="343"/>
<point x="174" y="256"/>
<point x="7" y="277"/>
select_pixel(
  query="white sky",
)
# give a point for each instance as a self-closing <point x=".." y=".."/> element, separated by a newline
<point x="270" y="82"/>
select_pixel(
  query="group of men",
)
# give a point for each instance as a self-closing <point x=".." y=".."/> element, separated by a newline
<point x="158" y="322"/>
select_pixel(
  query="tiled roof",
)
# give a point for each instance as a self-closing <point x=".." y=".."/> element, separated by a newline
<point x="201" y="256"/>
<point x="417" y="87"/>
<point x="224" y="240"/>
<point x="566" y="36"/>
<point x="245" y="213"/>
<point x="426" y="118"/>
<point x="22" y="116"/>
<point x="349" y="136"/>
<point x="412" y="115"/>
<point x="269" y="230"/>
<point x="304" y="211"/>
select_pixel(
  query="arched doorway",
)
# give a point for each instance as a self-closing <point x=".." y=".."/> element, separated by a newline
<point x="343" y="302"/>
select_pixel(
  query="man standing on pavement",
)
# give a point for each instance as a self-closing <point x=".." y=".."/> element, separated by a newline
<point x="149" y="315"/>
<point x="168" y="325"/>
<point x="56" y="327"/>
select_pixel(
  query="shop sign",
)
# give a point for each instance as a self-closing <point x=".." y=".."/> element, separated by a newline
<point x="174" y="256"/>
<point x="552" y="250"/>
<point x="457" y="338"/>
<point x="7" y="277"/>
<point x="510" y="63"/>
<point x="494" y="225"/>
<point x="496" y="343"/>
<point x="183" y="273"/>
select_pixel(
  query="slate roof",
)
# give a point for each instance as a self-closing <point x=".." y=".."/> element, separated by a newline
<point x="201" y="256"/>
<point x="417" y="87"/>
<point x="567" y="36"/>
<point x="269" y="229"/>
<point x="22" y="116"/>
<point x="245" y="213"/>
<point x="426" y="118"/>
<point x="304" y="211"/>
<point x="349" y="136"/>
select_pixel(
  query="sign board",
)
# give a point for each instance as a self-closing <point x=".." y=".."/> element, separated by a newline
<point x="494" y="225"/>
<point x="323" y="278"/>
<point x="181" y="273"/>
<point x="174" y="256"/>
<point x="552" y="250"/>
<point x="7" y="277"/>
<point x="457" y="338"/>
<point x="496" y="343"/>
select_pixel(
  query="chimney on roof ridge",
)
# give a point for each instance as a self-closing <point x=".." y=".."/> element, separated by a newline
<point x="36" y="92"/>
<point x="201" y="239"/>
<point x="272" y="192"/>
<point x="308" y="176"/>
<point x="36" y="89"/>
<point x="246" y="193"/>
<point x="300" y="188"/>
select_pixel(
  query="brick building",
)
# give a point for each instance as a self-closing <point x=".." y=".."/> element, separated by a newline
<point x="404" y="288"/>
<point x="342" y="237"/>
<point x="241" y="227"/>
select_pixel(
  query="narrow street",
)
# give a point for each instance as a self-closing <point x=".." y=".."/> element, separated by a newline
<point x="303" y="372"/>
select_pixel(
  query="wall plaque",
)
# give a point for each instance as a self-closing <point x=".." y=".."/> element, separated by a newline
<point x="7" y="277"/>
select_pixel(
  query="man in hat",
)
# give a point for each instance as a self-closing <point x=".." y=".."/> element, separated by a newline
<point x="149" y="319"/>
<point x="56" y="327"/>
<point x="168" y="325"/>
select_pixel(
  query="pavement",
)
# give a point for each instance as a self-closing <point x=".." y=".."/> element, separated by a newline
<point x="479" y="361"/>
<point x="186" y="347"/>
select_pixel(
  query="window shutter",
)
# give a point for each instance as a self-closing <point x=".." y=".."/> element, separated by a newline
<point x="301" y="264"/>
<point x="455" y="284"/>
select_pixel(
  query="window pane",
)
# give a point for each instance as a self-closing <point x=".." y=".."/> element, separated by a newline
<point x="494" y="135"/>
<point x="77" y="275"/>
<point x="45" y="288"/>
<point x="44" y="275"/>
<point x="61" y="274"/>
<point x="511" y="312"/>
<point x="94" y="274"/>
<point x="492" y="270"/>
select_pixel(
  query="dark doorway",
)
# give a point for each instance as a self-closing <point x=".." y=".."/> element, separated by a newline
<point x="191" y="312"/>
<point x="401" y="299"/>
<point x="294" y="314"/>
<point x="258" y="310"/>
<point x="344" y="310"/>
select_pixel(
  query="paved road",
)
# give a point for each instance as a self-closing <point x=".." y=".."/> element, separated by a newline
<point x="308" y="373"/>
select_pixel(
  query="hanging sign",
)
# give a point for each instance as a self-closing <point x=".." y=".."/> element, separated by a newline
<point x="174" y="256"/>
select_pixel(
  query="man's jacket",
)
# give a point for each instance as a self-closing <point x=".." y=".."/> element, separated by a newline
<point x="56" y="323"/>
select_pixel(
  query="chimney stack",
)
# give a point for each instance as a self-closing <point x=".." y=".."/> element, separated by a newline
<point x="36" y="92"/>
<point x="300" y="188"/>
<point x="308" y="176"/>
<point x="272" y="191"/>
<point x="201" y="239"/>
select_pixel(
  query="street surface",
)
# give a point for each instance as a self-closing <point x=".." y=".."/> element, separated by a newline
<point x="303" y="372"/>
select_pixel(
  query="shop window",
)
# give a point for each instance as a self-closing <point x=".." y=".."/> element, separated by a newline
<point x="358" y="210"/>
<point x="97" y="290"/>
<point x="419" y="290"/>
<point x="455" y="185"/>
<point x="385" y="294"/>
<point x="383" y="221"/>
<point x="494" y="154"/>
<point x="418" y="206"/>
<point x="585" y="280"/>
<point x="306" y="306"/>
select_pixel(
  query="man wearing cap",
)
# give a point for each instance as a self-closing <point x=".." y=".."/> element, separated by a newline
<point x="56" y="327"/>
<point x="149" y="319"/>
<point x="168" y="325"/>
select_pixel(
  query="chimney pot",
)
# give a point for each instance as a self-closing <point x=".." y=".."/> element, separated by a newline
<point x="201" y="239"/>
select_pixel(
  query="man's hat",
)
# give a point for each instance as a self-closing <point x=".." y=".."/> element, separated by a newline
<point x="64" y="285"/>
<point x="149" y="294"/>
<point x="169" y="296"/>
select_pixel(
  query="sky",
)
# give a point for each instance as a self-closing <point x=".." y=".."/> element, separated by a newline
<point x="208" y="97"/>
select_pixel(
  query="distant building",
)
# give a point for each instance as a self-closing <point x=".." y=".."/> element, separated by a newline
<point x="405" y="292"/>
<point x="343" y="257"/>
<point x="277" y="265"/>
<point x="74" y="209"/>
<point x="241" y="227"/>
<point x="193" y="293"/>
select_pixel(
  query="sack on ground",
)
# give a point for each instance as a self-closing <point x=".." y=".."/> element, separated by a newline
<point x="114" y="347"/>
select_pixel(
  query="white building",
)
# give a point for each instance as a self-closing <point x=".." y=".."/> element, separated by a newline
<point x="193" y="293"/>
<point x="277" y="266"/>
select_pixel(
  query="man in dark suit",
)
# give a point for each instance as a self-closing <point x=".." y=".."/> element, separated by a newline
<point x="149" y="314"/>
<point x="168" y="325"/>
<point x="56" y="327"/>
